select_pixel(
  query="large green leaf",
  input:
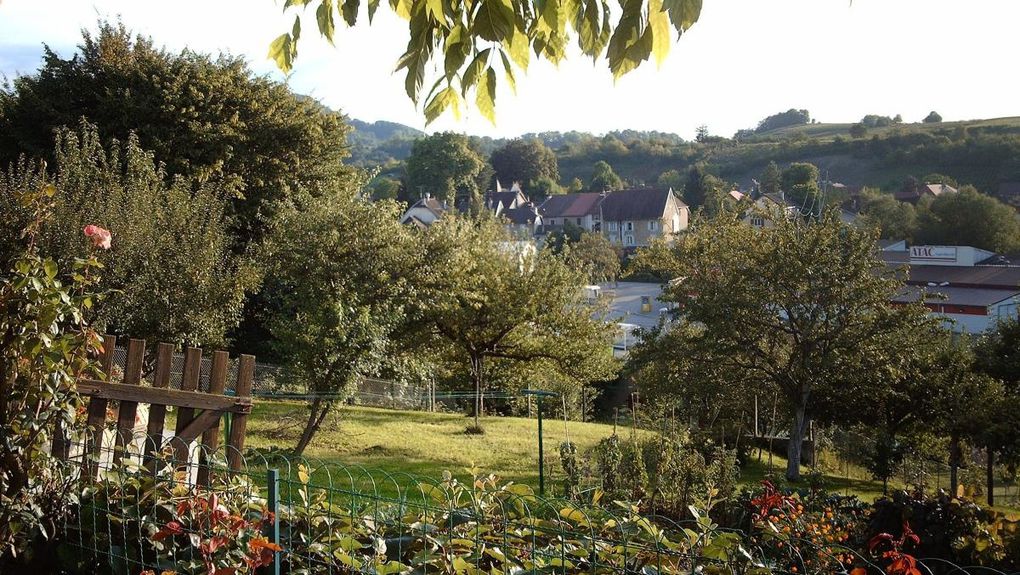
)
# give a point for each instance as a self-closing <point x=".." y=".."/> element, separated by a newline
<point x="350" y="10"/>
<point x="658" y="27"/>
<point x="281" y="52"/>
<point x="485" y="95"/>
<point x="629" y="45"/>
<point x="508" y="69"/>
<point x="519" y="46"/>
<point x="442" y="101"/>
<point x="474" y="70"/>
<point x="324" y="17"/>
<point x="457" y="48"/>
<point x="683" y="13"/>
<point x="494" y="20"/>
<point x="419" y="51"/>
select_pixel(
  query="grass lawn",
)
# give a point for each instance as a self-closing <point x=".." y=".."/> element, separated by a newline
<point x="427" y="444"/>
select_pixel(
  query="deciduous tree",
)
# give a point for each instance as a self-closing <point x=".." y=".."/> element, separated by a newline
<point x="445" y="166"/>
<point x="892" y="218"/>
<point x="771" y="179"/>
<point x="969" y="218"/>
<point x="204" y="118"/>
<point x="339" y="266"/>
<point x="800" y="182"/>
<point x="486" y="298"/>
<point x="603" y="178"/>
<point x="797" y="307"/>
<point x="594" y="256"/>
<point x="525" y="161"/>
<point x="171" y="273"/>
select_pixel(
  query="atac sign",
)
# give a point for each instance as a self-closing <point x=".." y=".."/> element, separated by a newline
<point x="932" y="254"/>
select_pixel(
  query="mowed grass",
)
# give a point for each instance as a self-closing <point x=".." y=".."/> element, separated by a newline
<point x="409" y="444"/>
<point x="424" y="444"/>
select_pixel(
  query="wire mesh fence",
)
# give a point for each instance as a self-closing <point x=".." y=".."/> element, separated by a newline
<point x="293" y="515"/>
<point x="271" y="381"/>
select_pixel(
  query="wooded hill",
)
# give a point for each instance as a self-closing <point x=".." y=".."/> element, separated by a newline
<point x="984" y="153"/>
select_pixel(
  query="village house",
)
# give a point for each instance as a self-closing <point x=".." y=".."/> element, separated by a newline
<point x="580" y="209"/>
<point x="915" y="194"/>
<point x="423" y="212"/>
<point x="632" y="218"/>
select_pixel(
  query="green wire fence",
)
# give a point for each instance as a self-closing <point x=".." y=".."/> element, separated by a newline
<point x="276" y="514"/>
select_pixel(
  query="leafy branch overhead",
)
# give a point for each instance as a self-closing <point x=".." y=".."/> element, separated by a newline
<point x="474" y="38"/>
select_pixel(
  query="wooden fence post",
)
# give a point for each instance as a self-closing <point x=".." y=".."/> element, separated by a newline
<point x="157" y="412"/>
<point x="235" y="443"/>
<point x="189" y="382"/>
<point x="97" y="413"/>
<point x="211" y="436"/>
<point x="129" y="409"/>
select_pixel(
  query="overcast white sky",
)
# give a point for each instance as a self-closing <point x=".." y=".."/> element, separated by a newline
<point x="744" y="60"/>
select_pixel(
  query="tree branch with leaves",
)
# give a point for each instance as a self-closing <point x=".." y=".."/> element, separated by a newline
<point x="472" y="39"/>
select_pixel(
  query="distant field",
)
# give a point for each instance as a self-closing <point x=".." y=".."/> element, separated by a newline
<point x="828" y="131"/>
<point x="427" y="444"/>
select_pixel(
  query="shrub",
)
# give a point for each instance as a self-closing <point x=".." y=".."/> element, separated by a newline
<point x="45" y="345"/>
<point x="952" y="529"/>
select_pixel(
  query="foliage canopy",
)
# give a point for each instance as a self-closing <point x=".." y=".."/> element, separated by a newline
<point x="470" y="41"/>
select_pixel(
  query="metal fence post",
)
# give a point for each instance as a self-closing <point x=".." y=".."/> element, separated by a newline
<point x="541" y="452"/>
<point x="273" y="503"/>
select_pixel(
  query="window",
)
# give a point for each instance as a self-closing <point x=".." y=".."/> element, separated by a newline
<point x="758" y="221"/>
<point x="628" y="240"/>
<point x="651" y="225"/>
<point x="612" y="226"/>
<point x="578" y="221"/>
<point x="628" y="226"/>
<point x="552" y="221"/>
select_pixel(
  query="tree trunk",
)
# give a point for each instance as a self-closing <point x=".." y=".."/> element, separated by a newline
<point x="316" y="415"/>
<point x="796" y="444"/>
<point x="955" y="455"/>
<point x="476" y="369"/>
<point x="990" y="477"/>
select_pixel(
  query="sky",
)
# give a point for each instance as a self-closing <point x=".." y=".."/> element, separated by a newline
<point x="744" y="60"/>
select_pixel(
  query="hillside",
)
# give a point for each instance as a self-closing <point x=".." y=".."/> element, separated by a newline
<point x="380" y="143"/>
<point x="984" y="153"/>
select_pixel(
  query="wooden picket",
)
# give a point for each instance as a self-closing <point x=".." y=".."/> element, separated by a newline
<point x="198" y="412"/>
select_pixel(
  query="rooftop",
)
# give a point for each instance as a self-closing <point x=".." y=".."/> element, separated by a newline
<point x="629" y="205"/>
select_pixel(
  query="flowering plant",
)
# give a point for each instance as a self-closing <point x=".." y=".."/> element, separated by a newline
<point x="227" y="543"/>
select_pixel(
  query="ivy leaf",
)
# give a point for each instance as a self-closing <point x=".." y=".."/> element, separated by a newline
<point x="281" y="52"/>
<point x="324" y="17"/>
<point x="485" y="95"/>
<point x="373" y="5"/>
<point x="295" y="32"/>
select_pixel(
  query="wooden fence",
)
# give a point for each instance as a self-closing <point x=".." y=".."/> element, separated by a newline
<point x="198" y="412"/>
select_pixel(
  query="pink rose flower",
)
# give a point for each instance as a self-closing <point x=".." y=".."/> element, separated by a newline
<point x="101" y="237"/>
